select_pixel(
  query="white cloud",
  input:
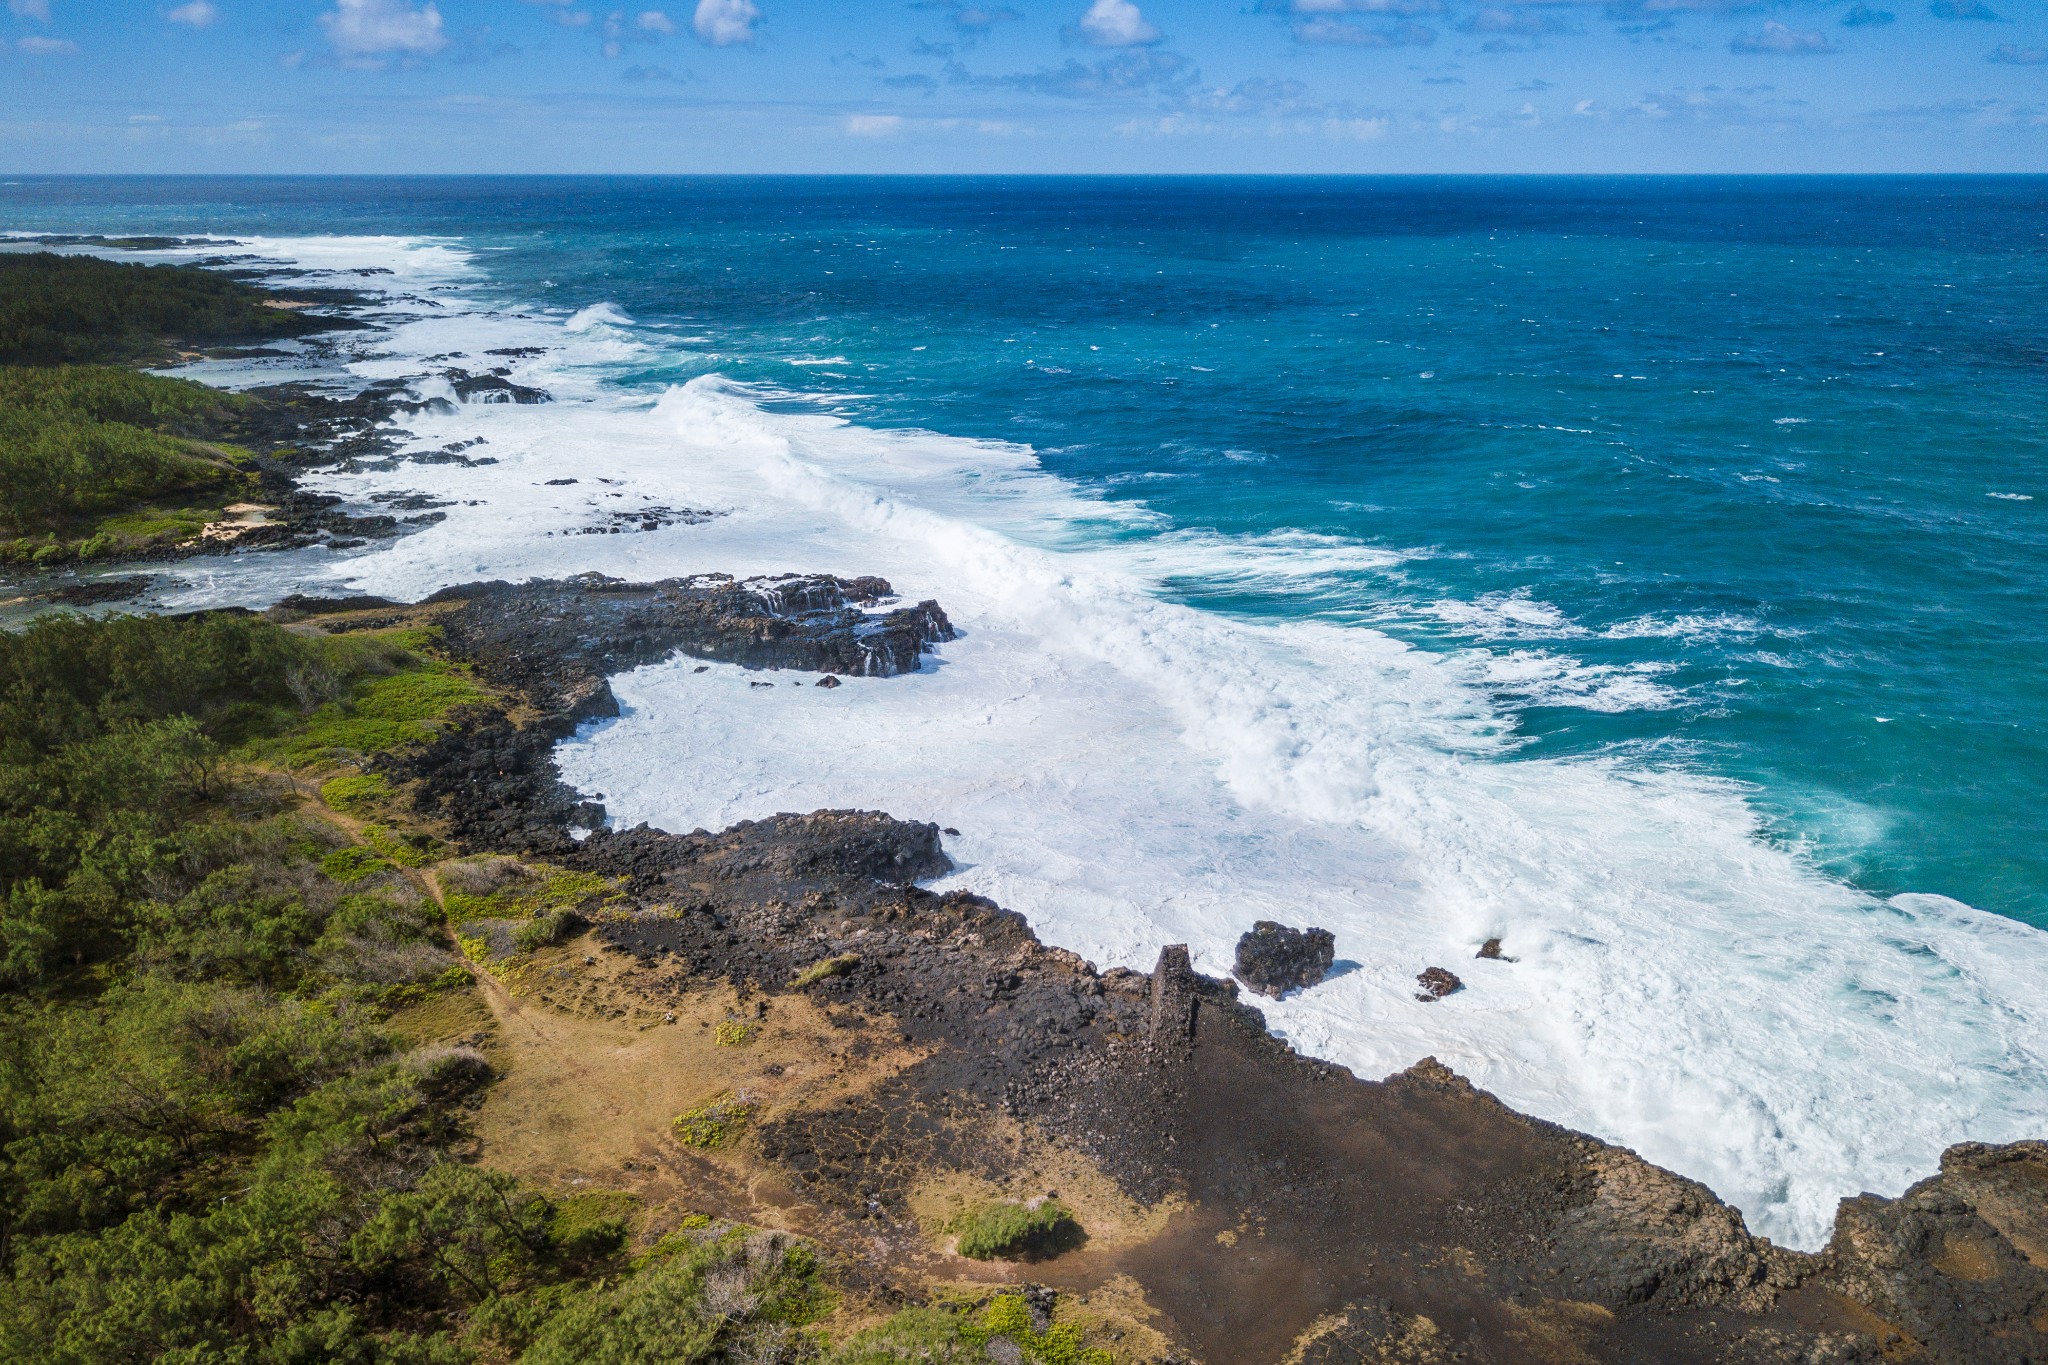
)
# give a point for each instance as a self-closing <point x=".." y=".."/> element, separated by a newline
<point x="197" y="14"/>
<point x="368" y="28"/>
<point x="46" y="47"/>
<point x="654" y="21"/>
<point x="1789" y="42"/>
<point x="726" y="23"/>
<point x="1117" y="23"/>
<point x="873" y="125"/>
<point x="30" y="9"/>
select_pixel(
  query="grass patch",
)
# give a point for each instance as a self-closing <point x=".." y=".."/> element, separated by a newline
<point x="380" y="713"/>
<point x="824" y="971"/>
<point x="1005" y="1231"/>
<point x="352" y="795"/>
<point x="407" y="850"/>
<point x="734" y="1033"/>
<point x="545" y="931"/>
<point x="715" y="1123"/>
<point x="352" y="864"/>
<point x="511" y="892"/>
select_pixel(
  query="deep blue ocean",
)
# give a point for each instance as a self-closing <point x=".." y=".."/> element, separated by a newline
<point x="1744" y="475"/>
<point x="1647" y="573"/>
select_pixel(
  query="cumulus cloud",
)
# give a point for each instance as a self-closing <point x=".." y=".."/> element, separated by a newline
<point x="1114" y="23"/>
<point x="726" y="23"/>
<point x="654" y="21"/>
<point x="197" y="14"/>
<point x="36" y="46"/>
<point x="373" y="28"/>
<point x="1863" y="16"/>
<point x="38" y="10"/>
<point x="1963" y="10"/>
<point x="2012" y="54"/>
<point x="1778" y="39"/>
<point x="1339" y="33"/>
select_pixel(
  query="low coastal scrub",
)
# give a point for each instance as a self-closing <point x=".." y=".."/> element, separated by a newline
<point x="97" y="463"/>
<point x="69" y="310"/>
<point x="214" y="1145"/>
<point x="1006" y="1231"/>
<point x="717" y="1122"/>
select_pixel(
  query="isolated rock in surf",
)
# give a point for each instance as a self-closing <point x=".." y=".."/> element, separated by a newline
<point x="1273" y="959"/>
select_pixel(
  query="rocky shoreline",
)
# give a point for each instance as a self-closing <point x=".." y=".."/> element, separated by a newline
<point x="1316" y="1216"/>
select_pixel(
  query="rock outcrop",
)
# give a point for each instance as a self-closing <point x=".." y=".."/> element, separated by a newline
<point x="559" y="640"/>
<point x="1274" y="959"/>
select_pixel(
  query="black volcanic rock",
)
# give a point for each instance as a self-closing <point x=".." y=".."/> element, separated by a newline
<point x="559" y="639"/>
<point x="1273" y="959"/>
<point x="492" y="388"/>
<point x="1436" y="983"/>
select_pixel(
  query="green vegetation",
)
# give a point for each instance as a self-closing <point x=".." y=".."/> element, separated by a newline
<point x="714" y="1123"/>
<point x="1016" y="1231"/>
<point x="97" y="462"/>
<point x="214" y="1150"/>
<point x="734" y="1032"/>
<point x="69" y="310"/>
<point x="825" y="970"/>
<point x="355" y="794"/>
<point x="957" y="1336"/>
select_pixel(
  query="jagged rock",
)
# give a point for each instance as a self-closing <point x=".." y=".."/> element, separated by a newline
<point x="1958" y="1264"/>
<point x="1273" y="959"/>
<point x="1490" y="950"/>
<point x="1645" y="1235"/>
<point x="561" y="638"/>
<point x="1436" y="983"/>
<point x="828" y="681"/>
<point x="492" y="388"/>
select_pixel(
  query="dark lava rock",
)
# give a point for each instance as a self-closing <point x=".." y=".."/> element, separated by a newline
<point x="558" y="640"/>
<point x="101" y="590"/>
<point x="1437" y="983"/>
<point x="828" y="681"/>
<point x="493" y="388"/>
<point x="1273" y="959"/>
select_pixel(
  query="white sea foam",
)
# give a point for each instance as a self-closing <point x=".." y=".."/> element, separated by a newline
<point x="1130" y="771"/>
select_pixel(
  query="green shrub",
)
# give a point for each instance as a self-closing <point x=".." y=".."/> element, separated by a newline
<point x="546" y="930"/>
<point x="1016" y="1231"/>
<point x="714" y="1123"/>
<point x="351" y="795"/>
<point x="734" y="1033"/>
<point x="825" y="970"/>
<point x="352" y="864"/>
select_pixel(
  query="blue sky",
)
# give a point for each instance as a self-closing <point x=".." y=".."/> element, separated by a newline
<point x="1023" y="85"/>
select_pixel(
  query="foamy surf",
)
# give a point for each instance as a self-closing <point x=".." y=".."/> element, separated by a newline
<point x="1129" y="771"/>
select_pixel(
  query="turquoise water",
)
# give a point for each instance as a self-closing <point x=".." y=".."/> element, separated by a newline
<point x="1746" y="476"/>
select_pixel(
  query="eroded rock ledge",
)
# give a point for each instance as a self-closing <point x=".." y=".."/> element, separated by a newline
<point x="1321" y="1218"/>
